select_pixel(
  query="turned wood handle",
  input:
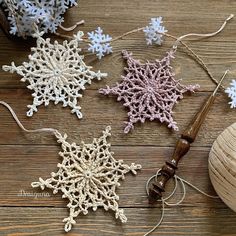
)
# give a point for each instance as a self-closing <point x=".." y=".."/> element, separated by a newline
<point x="182" y="147"/>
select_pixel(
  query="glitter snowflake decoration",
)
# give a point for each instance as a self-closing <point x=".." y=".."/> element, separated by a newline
<point x="99" y="43"/>
<point x="56" y="72"/>
<point x="23" y="15"/>
<point x="231" y="91"/>
<point x="149" y="91"/>
<point x="154" y="32"/>
<point x="88" y="177"/>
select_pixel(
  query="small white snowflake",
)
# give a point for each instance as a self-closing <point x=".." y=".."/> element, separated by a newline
<point x="231" y="91"/>
<point x="100" y="43"/>
<point x="154" y="31"/>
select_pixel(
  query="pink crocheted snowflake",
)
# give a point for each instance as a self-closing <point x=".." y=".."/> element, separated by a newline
<point x="149" y="91"/>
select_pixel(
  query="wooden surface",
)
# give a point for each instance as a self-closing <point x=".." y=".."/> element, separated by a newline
<point x="25" y="157"/>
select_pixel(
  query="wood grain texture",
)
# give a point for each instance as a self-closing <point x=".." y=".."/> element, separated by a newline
<point x="132" y="192"/>
<point x="25" y="157"/>
<point x="100" y="111"/>
<point x="17" y="221"/>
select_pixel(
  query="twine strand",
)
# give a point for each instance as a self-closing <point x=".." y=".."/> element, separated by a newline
<point x="164" y="201"/>
<point x="73" y="27"/>
<point x="178" y="40"/>
<point x="200" y="61"/>
<point x="50" y="130"/>
<point x="203" y="35"/>
<point x="160" y="221"/>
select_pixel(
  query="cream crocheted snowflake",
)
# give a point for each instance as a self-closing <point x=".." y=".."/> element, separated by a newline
<point x="56" y="72"/>
<point x="88" y="177"/>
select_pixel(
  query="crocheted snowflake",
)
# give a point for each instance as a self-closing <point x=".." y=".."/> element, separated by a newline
<point x="231" y="91"/>
<point x="46" y="14"/>
<point x="56" y="72"/>
<point x="154" y="32"/>
<point x="88" y="177"/>
<point x="149" y="91"/>
<point x="99" y="43"/>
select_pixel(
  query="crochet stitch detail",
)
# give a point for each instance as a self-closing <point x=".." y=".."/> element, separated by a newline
<point x="149" y="91"/>
<point x="56" y="72"/>
<point x="88" y="177"/>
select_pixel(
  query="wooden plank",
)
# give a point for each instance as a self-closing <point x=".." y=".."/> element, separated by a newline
<point x="99" y="112"/>
<point x="185" y="67"/>
<point x="21" y="165"/>
<point x="181" y="221"/>
<point x="217" y="54"/>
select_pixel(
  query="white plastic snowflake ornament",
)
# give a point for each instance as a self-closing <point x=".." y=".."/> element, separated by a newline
<point x="99" y="43"/>
<point x="47" y="15"/>
<point x="56" y="72"/>
<point x="154" y="32"/>
<point x="231" y="91"/>
<point x="88" y="177"/>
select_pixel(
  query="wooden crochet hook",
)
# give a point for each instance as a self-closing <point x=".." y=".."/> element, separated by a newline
<point x="181" y="148"/>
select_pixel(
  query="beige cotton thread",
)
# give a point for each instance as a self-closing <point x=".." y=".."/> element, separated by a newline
<point x="222" y="166"/>
<point x="87" y="176"/>
<point x="164" y="201"/>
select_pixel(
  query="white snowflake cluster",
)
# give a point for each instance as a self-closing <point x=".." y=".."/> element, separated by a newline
<point x="24" y="15"/>
<point x="154" y="31"/>
<point x="231" y="91"/>
<point x="99" y="43"/>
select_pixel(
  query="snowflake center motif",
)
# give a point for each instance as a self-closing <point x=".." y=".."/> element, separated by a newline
<point x="56" y="72"/>
<point x="88" y="174"/>
<point x="149" y="91"/>
<point x="150" y="87"/>
<point x="88" y="177"/>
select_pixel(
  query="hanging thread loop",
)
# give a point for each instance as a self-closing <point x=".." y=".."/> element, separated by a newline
<point x="202" y="35"/>
<point x="50" y="130"/>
